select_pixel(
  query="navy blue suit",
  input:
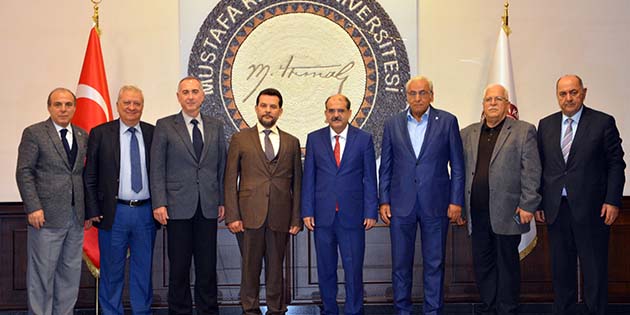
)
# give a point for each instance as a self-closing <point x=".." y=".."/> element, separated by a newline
<point x="419" y="191"/>
<point x="351" y="186"/>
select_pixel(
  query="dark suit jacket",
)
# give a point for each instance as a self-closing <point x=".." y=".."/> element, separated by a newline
<point x="352" y="185"/>
<point x="102" y="170"/>
<point x="44" y="176"/>
<point x="178" y="180"/>
<point x="594" y="171"/>
<point x="514" y="174"/>
<point x="265" y="191"/>
<point x="405" y="177"/>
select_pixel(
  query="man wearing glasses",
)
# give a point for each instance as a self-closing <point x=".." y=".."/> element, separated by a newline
<point x="417" y="190"/>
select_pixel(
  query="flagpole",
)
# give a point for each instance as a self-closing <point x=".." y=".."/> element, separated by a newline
<point x="98" y="31"/>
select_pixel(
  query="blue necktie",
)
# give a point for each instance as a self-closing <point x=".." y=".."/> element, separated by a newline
<point x="136" y="168"/>
<point x="197" y="139"/>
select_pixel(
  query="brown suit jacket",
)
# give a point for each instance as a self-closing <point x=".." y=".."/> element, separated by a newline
<point x="266" y="190"/>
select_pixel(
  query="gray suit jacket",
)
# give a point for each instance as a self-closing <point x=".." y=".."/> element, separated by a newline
<point x="514" y="175"/>
<point x="178" y="179"/>
<point x="44" y="176"/>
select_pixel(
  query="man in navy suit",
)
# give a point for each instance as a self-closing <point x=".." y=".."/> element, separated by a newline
<point x="416" y="189"/>
<point x="339" y="202"/>
<point x="582" y="185"/>
<point x="117" y="201"/>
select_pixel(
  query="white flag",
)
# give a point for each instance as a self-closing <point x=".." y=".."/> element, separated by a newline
<point x="501" y="73"/>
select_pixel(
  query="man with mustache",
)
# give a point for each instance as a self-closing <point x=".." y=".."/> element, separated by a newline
<point x="582" y="185"/>
<point x="263" y="177"/>
<point x="416" y="189"/>
<point x="501" y="158"/>
<point x="339" y="202"/>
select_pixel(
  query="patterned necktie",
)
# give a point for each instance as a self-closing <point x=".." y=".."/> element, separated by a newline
<point x="197" y="139"/>
<point x="337" y="151"/>
<point x="65" y="143"/>
<point x="268" y="146"/>
<point x="567" y="140"/>
<point x="134" y="155"/>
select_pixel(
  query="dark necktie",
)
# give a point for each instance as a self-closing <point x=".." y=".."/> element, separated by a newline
<point x="197" y="139"/>
<point x="136" y="168"/>
<point x="66" y="145"/>
<point x="268" y="146"/>
<point x="567" y="140"/>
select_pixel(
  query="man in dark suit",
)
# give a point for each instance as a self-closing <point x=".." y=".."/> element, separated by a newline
<point x="118" y="202"/>
<point x="187" y="165"/>
<point x="582" y="185"/>
<point x="49" y="178"/>
<point x="263" y="176"/>
<point x="502" y="161"/>
<point x="416" y="189"/>
<point x="339" y="202"/>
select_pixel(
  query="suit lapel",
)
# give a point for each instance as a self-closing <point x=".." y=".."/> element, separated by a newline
<point x="352" y="135"/>
<point x="114" y="135"/>
<point x="580" y="133"/>
<point x="180" y="127"/>
<point x="80" y="141"/>
<point x="326" y="144"/>
<point x="432" y="120"/>
<point x="505" y="132"/>
<point x="404" y="131"/>
<point x="555" y="137"/>
<point x="55" y="138"/>
<point x="207" y="135"/>
<point x="473" y="144"/>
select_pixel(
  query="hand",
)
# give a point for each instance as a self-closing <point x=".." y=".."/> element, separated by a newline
<point x="525" y="216"/>
<point x="89" y="222"/>
<point x="161" y="215"/>
<point x="309" y="222"/>
<point x="369" y="223"/>
<point x="610" y="213"/>
<point x="221" y="214"/>
<point x="36" y="219"/>
<point x="236" y="226"/>
<point x="540" y="216"/>
<point x="460" y="221"/>
<point x="385" y="212"/>
<point x="294" y="230"/>
<point x="454" y="213"/>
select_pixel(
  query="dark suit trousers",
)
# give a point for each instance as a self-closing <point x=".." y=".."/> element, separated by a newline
<point x="351" y="243"/>
<point x="195" y="237"/>
<point x="257" y="245"/>
<point x="497" y="266"/>
<point x="588" y="241"/>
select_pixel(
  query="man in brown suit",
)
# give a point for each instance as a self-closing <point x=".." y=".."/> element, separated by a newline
<point x="263" y="207"/>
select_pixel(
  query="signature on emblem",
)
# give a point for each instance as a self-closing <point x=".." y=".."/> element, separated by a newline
<point x="292" y="71"/>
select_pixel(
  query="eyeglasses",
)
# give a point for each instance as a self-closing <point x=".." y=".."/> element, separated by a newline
<point x="489" y="99"/>
<point x="422" y="93"/>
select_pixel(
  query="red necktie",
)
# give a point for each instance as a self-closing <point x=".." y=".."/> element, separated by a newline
<point x="337" y="152"/>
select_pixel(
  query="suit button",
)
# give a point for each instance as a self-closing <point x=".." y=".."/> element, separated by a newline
<point x="415" y="181"/>
<point x="417" y="163"/>
<point x="473" y="173"/>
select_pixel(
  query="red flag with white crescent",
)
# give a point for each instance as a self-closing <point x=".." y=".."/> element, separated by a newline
<point x="93" y="109"/>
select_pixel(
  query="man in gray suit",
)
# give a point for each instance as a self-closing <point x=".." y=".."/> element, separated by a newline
<point x="502" y="179"/>
<point x="49" y="177"/>
<point x="187" y="166"/>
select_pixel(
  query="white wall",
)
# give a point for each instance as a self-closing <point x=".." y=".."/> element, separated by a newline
<point x="43" y="45"/>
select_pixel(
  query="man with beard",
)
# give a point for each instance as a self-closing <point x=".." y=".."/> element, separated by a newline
<point x="263" y="176"/>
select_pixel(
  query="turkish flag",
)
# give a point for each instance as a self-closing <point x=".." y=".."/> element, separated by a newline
<point x="93" y="109"/>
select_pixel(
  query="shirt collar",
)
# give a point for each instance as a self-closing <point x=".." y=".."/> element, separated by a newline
<point x="261" y="128"/>
<point x="188" y="118"/>
<point x="342" y="135"/>
<point x="425" y="116"/>
<point x="576" y="116"/>
<point x="58" y="128"/>
<point x="484" y="126"/>
<point x="124" y="127"/>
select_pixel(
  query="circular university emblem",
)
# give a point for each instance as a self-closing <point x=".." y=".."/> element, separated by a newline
<point x="308" y="50"/>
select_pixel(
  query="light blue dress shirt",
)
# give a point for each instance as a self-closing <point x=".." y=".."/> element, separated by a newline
<point x="124" y="186"/>
<point x="563" y="131"/>
<point x="417" y="130"/>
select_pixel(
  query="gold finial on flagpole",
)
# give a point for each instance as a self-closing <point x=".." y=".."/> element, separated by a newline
<point x="95" y="16"/>
<point x="505" y="18"/>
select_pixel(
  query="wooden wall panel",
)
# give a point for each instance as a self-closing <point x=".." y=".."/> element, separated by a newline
<point x="301" y="276"/>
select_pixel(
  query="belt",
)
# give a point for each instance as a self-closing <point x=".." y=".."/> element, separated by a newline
<point x="133" y="203"/>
